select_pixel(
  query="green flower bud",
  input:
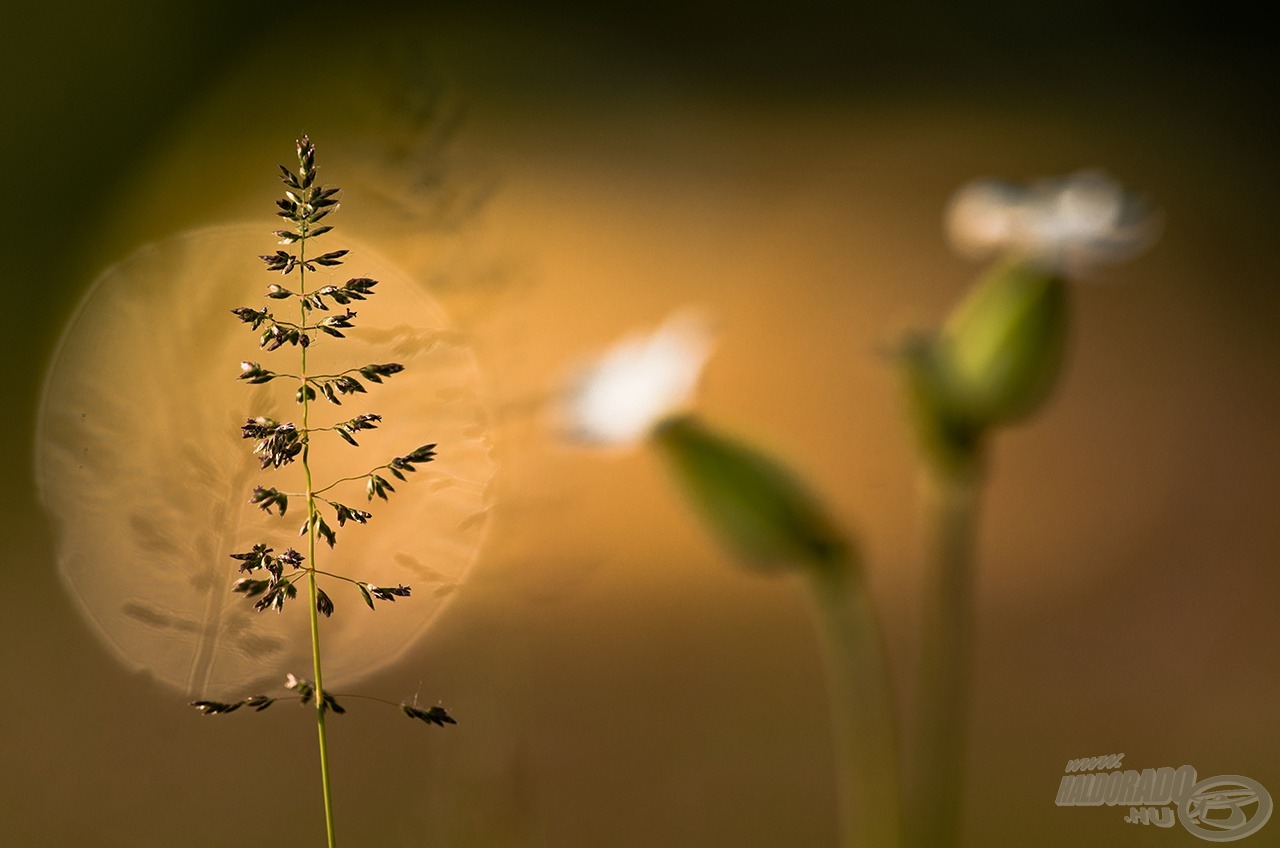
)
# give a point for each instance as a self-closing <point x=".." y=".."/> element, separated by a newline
<point x="757" y="507"/>
<point x="1002" y="347"/>
<point x="995" y="363"/>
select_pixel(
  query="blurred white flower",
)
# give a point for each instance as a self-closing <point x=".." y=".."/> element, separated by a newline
<point x="619" y="397"/>
<point x="1071" y="224"/>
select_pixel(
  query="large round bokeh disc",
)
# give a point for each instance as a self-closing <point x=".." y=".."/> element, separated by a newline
<point x="141" y="464"/>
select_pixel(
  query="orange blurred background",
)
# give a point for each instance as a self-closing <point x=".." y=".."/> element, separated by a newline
<point x="619" y="681"/>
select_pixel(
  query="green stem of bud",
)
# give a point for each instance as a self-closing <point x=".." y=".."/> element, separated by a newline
<point x="936" y="769"/>
<point x="995" y="363"/>
<point x="772" y="523"/>
<point x="865" y="735"/>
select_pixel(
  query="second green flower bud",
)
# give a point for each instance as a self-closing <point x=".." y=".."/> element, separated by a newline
<point x="755" y="505"/>
<point x="994" y="363"/>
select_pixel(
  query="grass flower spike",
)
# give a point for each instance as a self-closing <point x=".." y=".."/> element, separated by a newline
<point x="317" y="314"/>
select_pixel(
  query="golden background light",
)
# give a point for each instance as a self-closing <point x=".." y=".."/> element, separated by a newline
<point x="617" y="679"/>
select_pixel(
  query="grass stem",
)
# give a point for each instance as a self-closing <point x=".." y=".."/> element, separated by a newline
<point x="311" y="572"/>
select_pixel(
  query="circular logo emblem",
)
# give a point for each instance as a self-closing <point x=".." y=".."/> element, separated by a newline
<point x="1225" y="808"/>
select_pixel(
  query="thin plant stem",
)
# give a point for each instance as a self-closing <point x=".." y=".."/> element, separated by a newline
<point x="347" y="479"/>
<point x="861" y="705"/>
<point x="937" y="769"/>
<point x="311" y="573"/>
<point x="345" y="695"/>
<point x="337" y="577"/>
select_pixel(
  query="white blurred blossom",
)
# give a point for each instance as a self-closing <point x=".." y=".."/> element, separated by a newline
<point x="1072" y="224"/>
<point x="619" y="397"/>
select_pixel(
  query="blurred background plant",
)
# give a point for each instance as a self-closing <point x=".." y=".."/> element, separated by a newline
<point x="636" y="393"/>
<point x="611" y="164"/>
<point x="994" y="364"/>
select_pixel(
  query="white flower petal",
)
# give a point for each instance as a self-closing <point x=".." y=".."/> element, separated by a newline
<point x="618" y="398"/>
<point x="1073" y="223"/>
<point x="981" y="217"/>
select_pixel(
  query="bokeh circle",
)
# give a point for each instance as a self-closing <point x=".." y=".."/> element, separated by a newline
<point x="141" y="465"/>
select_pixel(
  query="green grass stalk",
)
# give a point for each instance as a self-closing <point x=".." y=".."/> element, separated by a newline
<point x="322" y="738"/>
